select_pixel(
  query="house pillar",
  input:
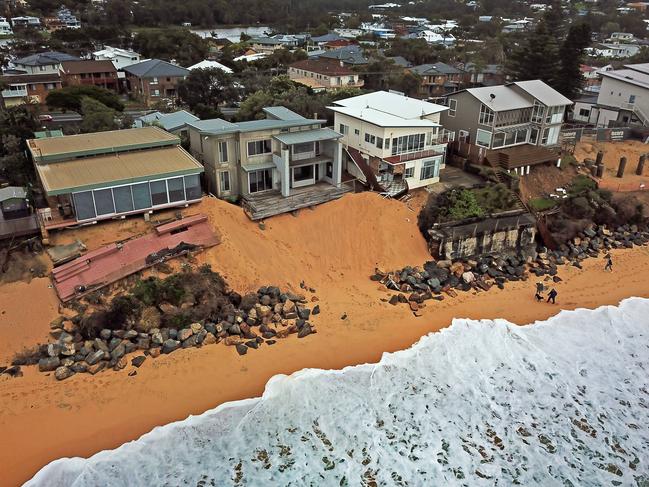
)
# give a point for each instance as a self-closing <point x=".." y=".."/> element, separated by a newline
<point x="528" y="169"/>
<point x="338" y="161"/>
<point x="285" y="175"/>
<point x="559" y="162"/>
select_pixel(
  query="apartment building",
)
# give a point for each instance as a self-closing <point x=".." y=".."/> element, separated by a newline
<point x="94" y="73"/>
<point x="28" y="88"/>
<point x="324" y="74"/>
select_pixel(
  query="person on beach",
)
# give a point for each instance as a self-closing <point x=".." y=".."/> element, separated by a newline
<point x="552" y="295"/>
<point x="609" y="263"/>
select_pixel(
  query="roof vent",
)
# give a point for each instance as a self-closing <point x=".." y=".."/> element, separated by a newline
<point x="492" y="96"/>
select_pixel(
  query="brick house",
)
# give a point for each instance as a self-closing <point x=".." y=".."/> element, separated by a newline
<point x="324" y="74"/>
<point x="153" y="80"/>
<point x="28" y="88"/>
<point x="96" y="73"/>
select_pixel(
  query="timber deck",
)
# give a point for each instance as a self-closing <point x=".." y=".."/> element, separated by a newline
<point x="270" y="203"/>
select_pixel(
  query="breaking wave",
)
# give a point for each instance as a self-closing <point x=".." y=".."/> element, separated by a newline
<point x="564" y="402"/>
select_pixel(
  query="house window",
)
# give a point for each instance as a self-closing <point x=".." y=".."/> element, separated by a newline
<point x="534" y="135"/>
<point x="156" y="92"/>
<point x="344" y="129"/>
<point x="192" y="187"/>
<point x="329" y="170"/>
<point x="224" y="181"/>
<point x="261" y="180"/>
<point x="258" y="147"/>
<point x="584" y="112"/>
<point x="486" y="115"/>
<point x="370" y="138"/>
<point x="303" y="148"/>
<point x="409" y="172"/>
<point x="159" y="192"/>
<point x="537" y="112"/>
<point x="483" y="138"/>
<point x="154" y="81"/>
<point x="223" y="151"/>
<point x="176" y="189"/>
<point x="84" y="206"/>
<point x="104" y="201"/>
<point x="554" y="115"/>
<point x="141" y="196"/>
<point x="357" y="132"/>
<point x="429" y="169"/>
<point x="386" y="143"/>
<point x="379" y="142"/>
<point x="303" y="173"/>
<point x="408" y="143"/>
<point x="452" y="107"/>
<point x="123" y="197"/>
<point x="631" y="98"/>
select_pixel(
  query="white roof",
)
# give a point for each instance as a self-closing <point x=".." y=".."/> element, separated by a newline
<point x="504" y="98"/>
<point x="205" y="64"/>
<point x="543" y="93"/>
<point x="383" y="119"/>
<point x="251" y="57"/>
<point x="111" y="52"/>
<point x="390" y="106"/>
<point x="632" y="76"/>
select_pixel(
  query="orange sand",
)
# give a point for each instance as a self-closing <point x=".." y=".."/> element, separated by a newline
<point x="333" y="248"/>
<point x="613" y="151"/>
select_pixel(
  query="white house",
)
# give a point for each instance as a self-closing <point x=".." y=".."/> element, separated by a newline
<point x="623" y="97"/>
<point x="432" y="37"/>
<point x="120" y="57"/>
<point x="205" y="64"/>
<point x="394" y="142"/>
<point x="616" y="51"/>
<point x="5" y="27"/>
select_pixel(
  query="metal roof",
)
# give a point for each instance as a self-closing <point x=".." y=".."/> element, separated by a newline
<point x="437" y="68"/>
<point x="307" y="136"/>
<point x="282" y="113"/>
<point x="69" y="146"/>
<point x="221" y="127"/>
<point x="12" y="192"/>
<point x="155" y="68"/>
<point x="168" y="121"/>
<point x="207" y="64"/>
<point x="504" y="98"/>
<point x="543" y="93"/>
<point x="632" y="76"/>
<point x="45" y="59"/>
<point x="116" y="169"/>
<point x="382" y="119"/>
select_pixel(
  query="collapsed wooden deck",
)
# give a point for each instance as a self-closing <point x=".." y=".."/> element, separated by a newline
<point x="271" y="203"/>
<point x="115" y="261"/>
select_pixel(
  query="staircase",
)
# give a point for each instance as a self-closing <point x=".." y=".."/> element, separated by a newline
<point x="364" y="167"/>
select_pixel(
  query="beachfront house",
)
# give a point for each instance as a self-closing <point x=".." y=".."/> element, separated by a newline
<point x="119" y="57"/>
<point x="96" y="176"/>
<point x="154" y="80"/>
<point x="43" y="62"/>
<point x="90" y="73"/>
<point x="276" y="165"/>
<point x="324" y="74"/>
<point x="393" y="142"/>
<point x="28" y="88"/>
<point x="512" y="126"/>
<point x="440" y="79"/>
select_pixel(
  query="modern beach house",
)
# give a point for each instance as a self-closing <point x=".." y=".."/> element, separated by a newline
<point x="276" y="165"/>
<point x="394" y="143"/>
<point x="512" y="126"/>
<point x="96" y="176"/>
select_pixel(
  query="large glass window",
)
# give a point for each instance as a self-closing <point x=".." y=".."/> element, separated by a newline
<point x="409" y="172"/>
<point x="141" y="196"/>
<point x="176" y="189"/>
<point x="483" y="138"/>
<point x="104" y="201"/>
<point x="452" y="107"/>
<point x="302" y="148"/>
<point x="260" y="180"/>
<point x="259" y="147"/>
<point x="303" y="173"/>
<point x="224" y="177"/>
<point x="537" y="112"/>
<point x="223" y="151"/>
<point x="192" y="187"/>
<point x="159" y="192"/>
<point x="408" y="143"/>
<point x="486" y="115"/>
<point x="429" y="169"/>
<point x="84" y="205"/>
<point x="123" y="199"/>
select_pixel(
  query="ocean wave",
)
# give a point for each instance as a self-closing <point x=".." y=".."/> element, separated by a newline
<point x="561" y="402"/>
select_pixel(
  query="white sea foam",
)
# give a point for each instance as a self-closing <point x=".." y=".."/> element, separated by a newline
<point x="562" y="402"/>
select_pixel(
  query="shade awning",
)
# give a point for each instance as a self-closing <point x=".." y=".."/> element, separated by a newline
<point x="116" y="169"/>
<point x="305" y="136"/>
<point x="258" y="167"/>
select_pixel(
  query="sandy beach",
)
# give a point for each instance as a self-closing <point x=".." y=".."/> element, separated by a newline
<point x="333" y="248"/>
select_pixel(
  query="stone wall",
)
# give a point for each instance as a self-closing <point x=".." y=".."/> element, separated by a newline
<point x="500" y="234"/>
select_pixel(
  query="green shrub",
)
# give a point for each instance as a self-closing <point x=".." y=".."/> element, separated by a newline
<point x="580" y="185"/>
<point x="463" y="204"/>
<point x="541" y="204"/>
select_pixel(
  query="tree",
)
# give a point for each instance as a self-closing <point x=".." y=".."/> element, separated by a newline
<point x="16" y="125"/>
<point x="179" y="45"/>
<point x="570" y="79"/>
<point x="205" y="89"/>
<point x="537" y="57"/>
<point x="97" y="117"/>
<point x="70" y="98"/>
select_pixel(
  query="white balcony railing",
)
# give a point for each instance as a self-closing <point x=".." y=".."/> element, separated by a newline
<point x="14" y="93"/>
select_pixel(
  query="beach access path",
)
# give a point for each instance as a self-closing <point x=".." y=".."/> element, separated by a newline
<point x="334" y="249"/>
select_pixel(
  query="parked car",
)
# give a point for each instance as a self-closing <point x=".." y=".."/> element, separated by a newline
<point x="45" y="118"/>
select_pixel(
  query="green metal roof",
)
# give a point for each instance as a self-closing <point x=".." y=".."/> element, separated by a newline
<point x="307" y="136"/>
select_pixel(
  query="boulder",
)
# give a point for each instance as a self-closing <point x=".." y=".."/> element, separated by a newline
<point x="394" y="299"/>
<point x="316" y="310"/>
<point x="63" y="373"/>
<point x="94" y="357"/>
<point x="233" y="340"/>
<point x="170" y="345"/>
<point x="118" y="352"/>
<point x="241" y="349"/>
<point x="184" y="334"/>
<point x="288" y="307"/>
<point x="144" y="343"/>
<point x="413" y="305"/>
<point x="99" y="366"/>
<point x="265" y="300"/>
<point x="210" y="339"/>
<point x="120" y="364"/>
<point x="57" y="323"/>
<point x="306" y="330"/>
<point x="113" y="343"/>
<point x="192" y="341"/>
<point x="129" y="346"/>
<point x="157" y="338"/>
<point x="137" y="361"/>
<point x="53" y="349"/>
<point x="303" y="312"/>
<point x="68" y="349"/>
<point x="248" y="301"/>
<point x="196" y="328"/>
<point x="234" y="330"/>
<point x="154" y="352"/>
<point x="79" y="368"/>
<point x="252" y="344"/>
<point x="468" y="277"/>
<point x="48" y="364"/>
<point x="101" y="345"/>
<point x="263" y="311"/>
<point x="130" y="334"/>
